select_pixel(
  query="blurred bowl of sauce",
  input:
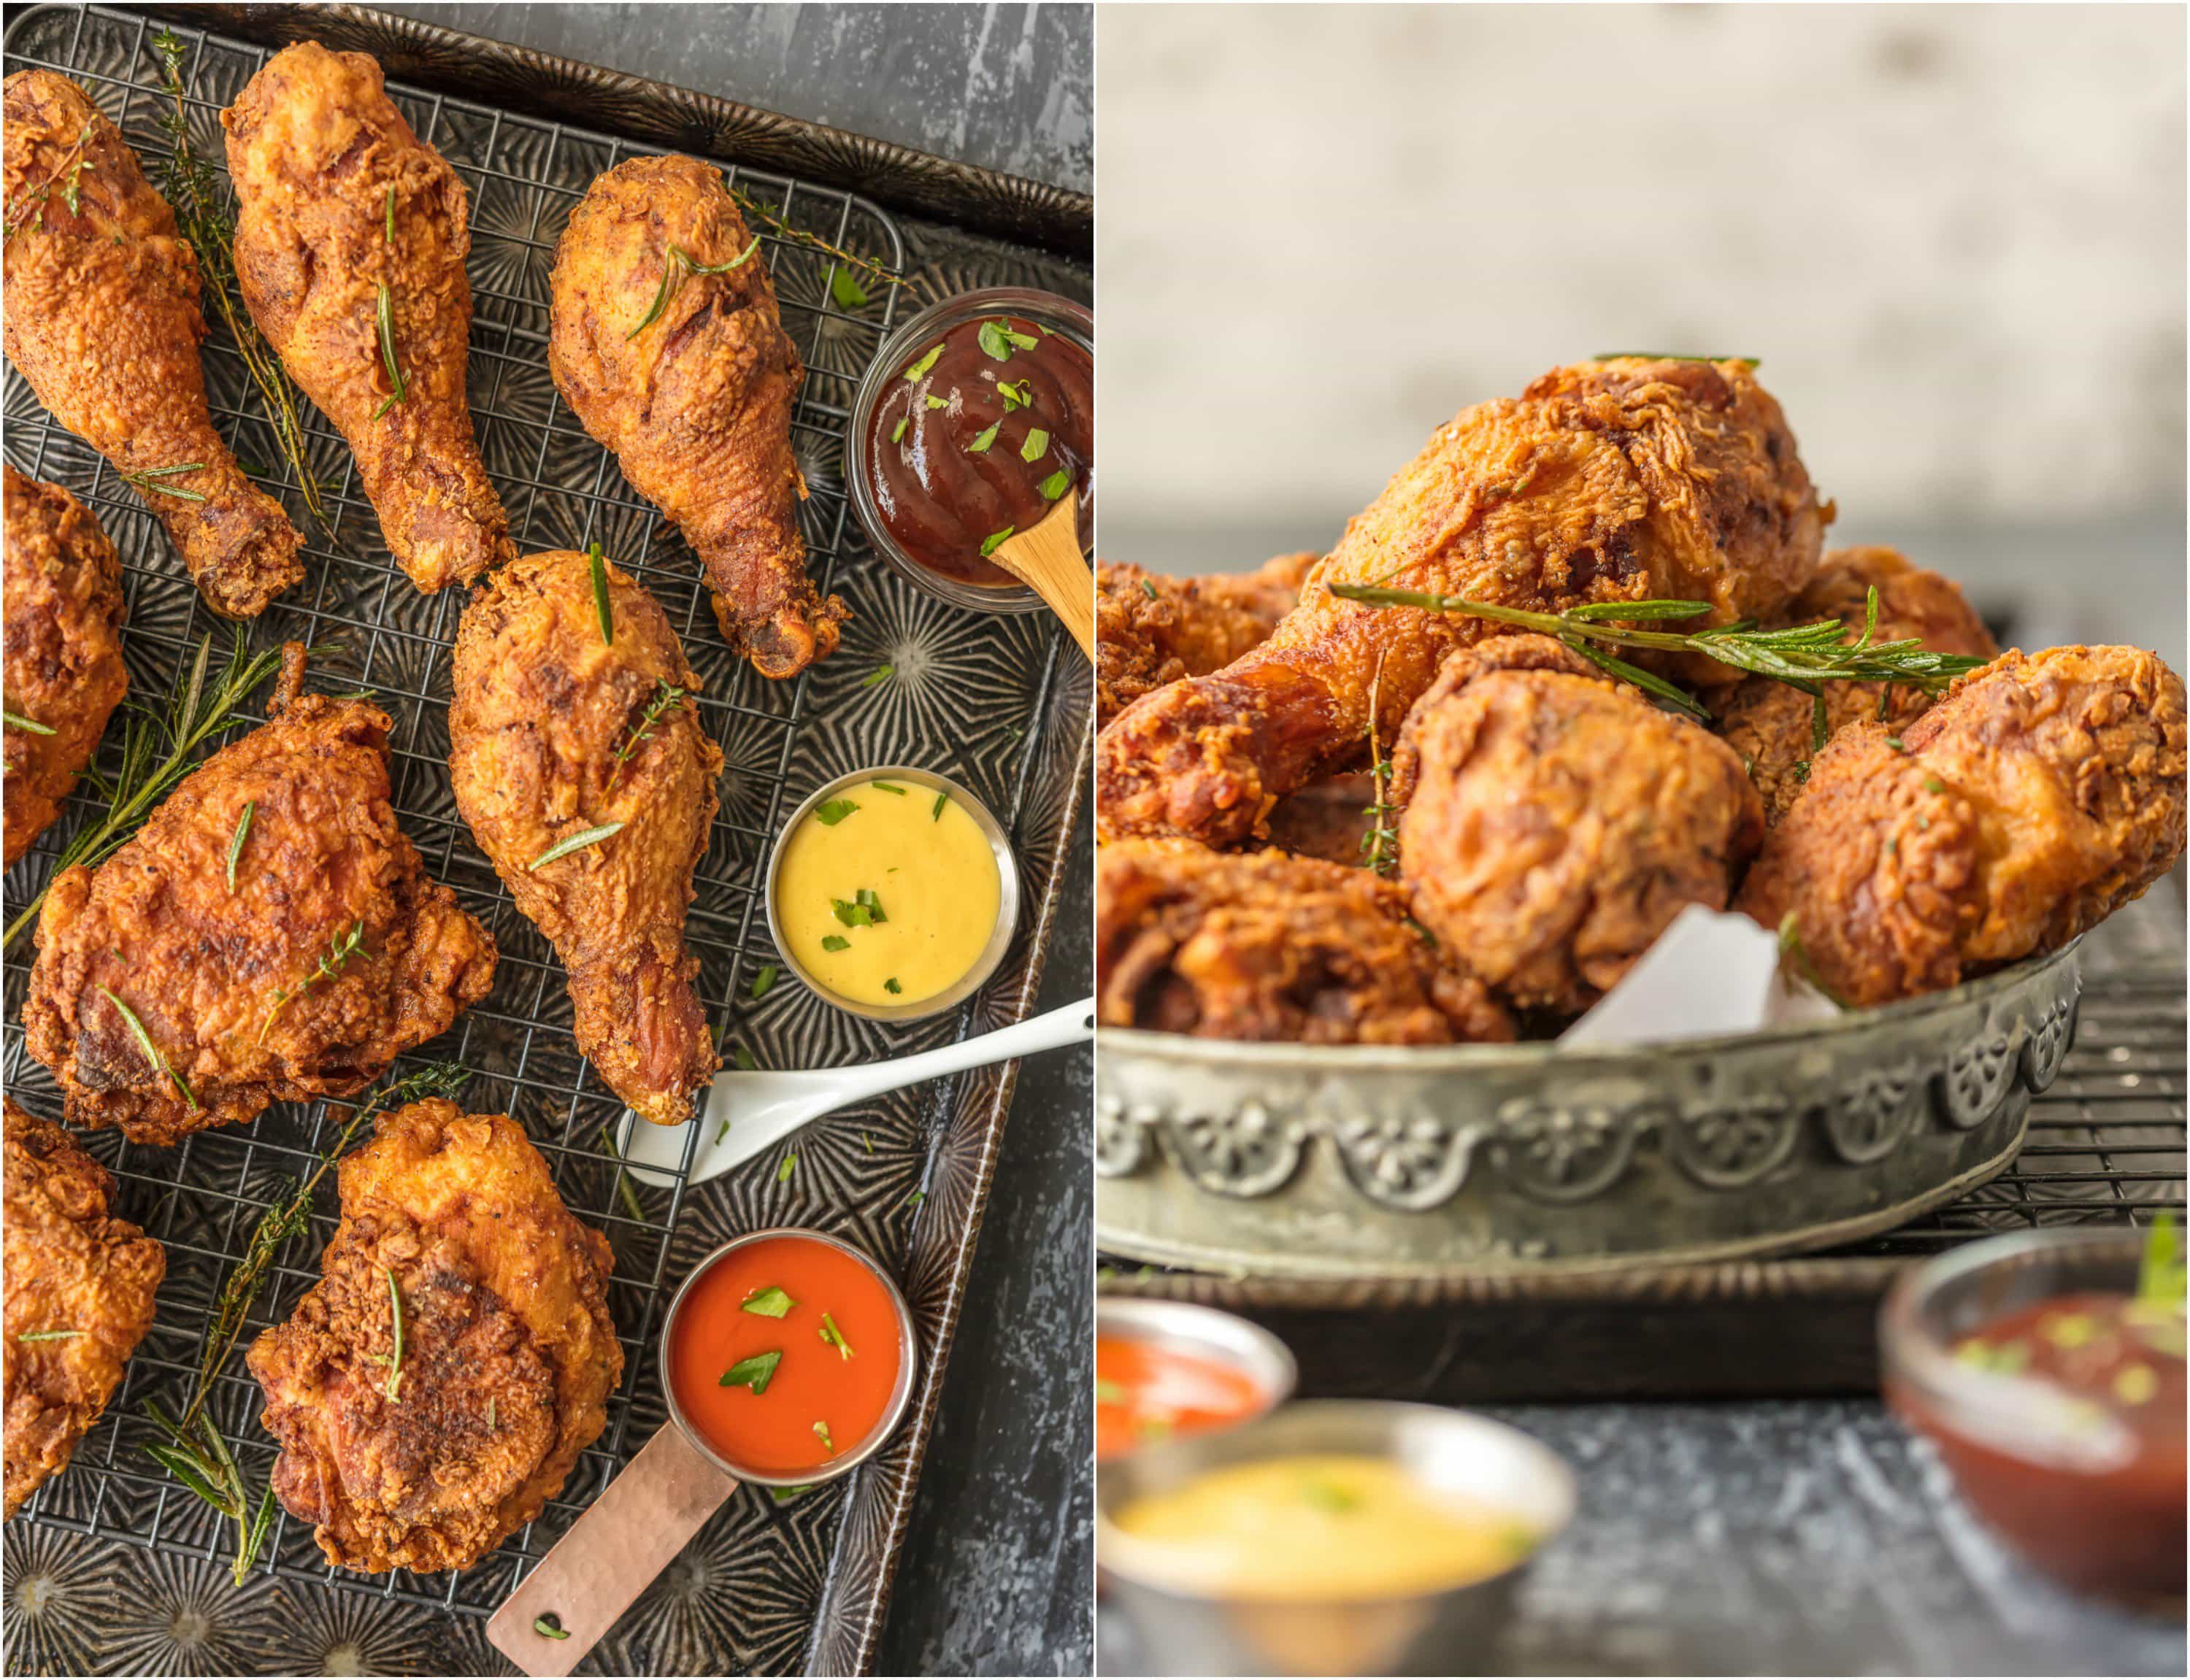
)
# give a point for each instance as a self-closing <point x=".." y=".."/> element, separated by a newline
<point x="973" y="419"/>
<point x="2047" y="1368"/>
<point x="1329" y="1537"/>
<point x="1164" y="1370"/>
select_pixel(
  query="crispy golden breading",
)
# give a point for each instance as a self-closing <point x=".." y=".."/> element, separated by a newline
<point x="548" y="736"/>
<point x="1331" y="820"/>
<point x="1557" y="821"/>
<point x="79" y="1287"/>
<point x="508" y="1352"/>
<point x="1264" y="946"/>
<point x="2039" y="797"/>
<point x="695" y="404"/>
<point x="62" y="614"/>
<point x="1151" y="630"/>
<point x="315" y="148"/>
<point x="1771" y="725"/>
<point x="103" y="319"/>
<point x="1608" y="481"/>
<point x="333" y="954"/>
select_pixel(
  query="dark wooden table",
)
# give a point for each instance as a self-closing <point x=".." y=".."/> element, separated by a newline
<point x="994" y="1575"/>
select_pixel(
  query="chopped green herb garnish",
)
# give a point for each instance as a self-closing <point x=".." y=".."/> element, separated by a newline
<point x="743" y="1058"/>
<point x="1326" y="1496"/>
<point x="784" y="1495"/>
<point x="897" y="436"/>
<point x="915" y="1199"/>
<point x="762" y="981"/>
<point x="926" y="362"/>
<point x="891" y="986"/>
<point x="2161" y="1275"/>
<point x="753" y="1371"/>
<point x="998" y="338"/>
<point x="1894" y="742"/>
<point x="852" y="915"/>
<point x="832" y="811"/>
<point x="936" y="815"/>
<point x="1932" y="784"/>
<point x="879" y="673"/>
<point x="980" y="444"/>
<point x="599" y="563"/>
<point x="770" y="1302"/>
<point x="835" y="1338"/>
<point x="577" y="842"/>
<point x="783" y="1173"/>
<point x="1036" y="446"/>
<point x="1149" y="589"/>
<point x="936" y="402"/>
<point x="546" y="1628"/>
<point x="1109" y="1392"/>
<point x="1017" y="396"/>
<point x="836" y="942"/>
<point x="236" y="841"/>
<point x="865" y="897"/>
<point x="995" y="540"/>
<point x="1056" y="485"/>
<point x="848" y="292"/>
<point x="821" y="1433"/>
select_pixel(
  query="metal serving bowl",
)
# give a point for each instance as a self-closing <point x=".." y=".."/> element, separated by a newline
<point x="1357" y="1161"/>
<point x="1206" y="1334"/>
<point x="1007" y="896"/>
<point x="1448" y="1632"/>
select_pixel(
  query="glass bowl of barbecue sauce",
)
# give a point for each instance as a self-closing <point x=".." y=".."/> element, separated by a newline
<point x="973" y="420"/>
<point x="2047" y="1368"/>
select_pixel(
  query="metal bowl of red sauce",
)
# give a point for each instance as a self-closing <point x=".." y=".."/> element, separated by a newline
<point x="788" y="1357"/>
<point x="973" y="420"/>
<point x="2055" y="1390"/>
<point x="1166" y="1370"/>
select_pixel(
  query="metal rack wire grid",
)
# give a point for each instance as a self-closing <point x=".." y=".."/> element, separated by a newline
<point x="562" y="490"/>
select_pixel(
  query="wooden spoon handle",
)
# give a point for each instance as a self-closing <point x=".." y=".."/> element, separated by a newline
<point x="1048" y="560"/>
<point x="1073" y="601"/>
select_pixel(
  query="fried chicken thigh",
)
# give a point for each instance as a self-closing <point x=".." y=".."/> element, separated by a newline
<point x="1264" y="946"/>
<point x="1610" y="481"/>
<point x="60" y="589"/>
<point x="1557" y="821"/>
<point x="2043" y="793"/>
<point x="425" y="1448"/>
<point x="1151" y="630"/>
<point x="165" y="1002"/>
<point x="553" y="731"/>
<point x="79" y="1285"/>
<point x="688" y="378"/>
<point x="343" y="212"/>
<point x="103" y="319"/>
<point x="1773" y="726"/>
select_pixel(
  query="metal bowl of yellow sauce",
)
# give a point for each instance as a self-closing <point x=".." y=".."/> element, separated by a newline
<point x="893" y="893"/>
<point x="1331" y="1537"/>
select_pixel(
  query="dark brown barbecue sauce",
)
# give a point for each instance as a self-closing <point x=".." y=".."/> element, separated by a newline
<point x="968" y="447"/>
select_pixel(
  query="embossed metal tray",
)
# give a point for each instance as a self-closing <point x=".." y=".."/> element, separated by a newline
<point x="113" y="1567"/>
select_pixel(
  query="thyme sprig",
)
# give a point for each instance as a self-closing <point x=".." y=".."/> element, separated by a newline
<point x="1380" y="846"/>
<point x="1803" y="656"/>
<point x="201" y="210"/>
<point x="194" y="1453"/>
<point x="783" y="229"/>
<point x="341" y="947"/>
<point x="666" y="695"/>
<point x="675" y="266"/>
<point x="67" y="179"/>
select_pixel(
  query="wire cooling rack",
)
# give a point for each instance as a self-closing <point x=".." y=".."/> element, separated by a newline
<point x="203" y="1199"/>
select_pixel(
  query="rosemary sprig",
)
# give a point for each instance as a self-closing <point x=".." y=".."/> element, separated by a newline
<point x="67" y="179"/>
<point x="146" y="483"/>
<point x="235" y="842"/>
<point x="1380" y="846"/>
<point x="153" y="1053"/>
<point x="597" y="565"/>
<point x="394" y="1306"/>
<point x="341" y="947"/>
<point x="623" y="1185"/>
<point x="577" y="842"/>
<point x="48" y="1335"/>
<point x="200" y="207"/>
<point x="147" y="774"/>
<point x="384" y="318"/>
<point x="674" y="268"/>
<point x="1803" y="656"/>
<point x="194" y="1453"/>
<point x="16" y="720"/>
<point x="666" y="695"/>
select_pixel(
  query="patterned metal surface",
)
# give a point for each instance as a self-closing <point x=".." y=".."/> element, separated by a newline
<point x="1000" y="704"/>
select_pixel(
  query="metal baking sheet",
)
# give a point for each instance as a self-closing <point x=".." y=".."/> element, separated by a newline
<point x="1001" y="702"/>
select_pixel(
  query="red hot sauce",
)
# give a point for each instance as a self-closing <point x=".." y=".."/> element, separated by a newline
<point x="980" y="433"/>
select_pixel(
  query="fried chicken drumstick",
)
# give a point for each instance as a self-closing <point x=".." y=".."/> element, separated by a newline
<point x="63" y="676"/>
<point x="1264" y="946"/>
<point x="1151" y="630"/>
<point x="1629" y="479"/>
<point x="667" y="347"/>
<point x="424" y="1448"/>
<point x="79" y="1285"/>
<point x="1557" y="821"/>
<point x="2041" y="794"/>
<point x="165" y="1001"/>
<point x="349" y="225"/>
<point x="1773" y="726"/>
<point x="103" y="319"/>
<point x="554" y="731"/>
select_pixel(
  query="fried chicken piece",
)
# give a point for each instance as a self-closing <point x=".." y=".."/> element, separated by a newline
<point x="103" y="319"/>
<point x="79" y="1288"/>
<point x="341" y="211"/>
<point x="1557" y="821"/>
<point x="1264" y="946"/>
<point x="2043" y="793"/>
<point x="166" y="1002"/>
<point x="553" y="731"/>
<point x="61" y="582"/>
<point x="423" y="1442"/>
<point x="1772" y="724"/>
<point x="688" y="378"/>
<point x="1620" y="480"/>
<point x="1331" y="820"/>
<point x="1151" y="630"/>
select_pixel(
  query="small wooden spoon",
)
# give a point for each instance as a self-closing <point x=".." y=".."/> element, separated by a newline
<point x="1047" y="560"/>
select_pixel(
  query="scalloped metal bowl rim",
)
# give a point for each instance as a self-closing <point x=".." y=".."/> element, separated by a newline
<point x="1244" y="1057"/>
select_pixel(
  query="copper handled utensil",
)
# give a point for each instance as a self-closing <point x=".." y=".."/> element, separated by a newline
<point x="1048" y="560"/>
<point x="665" y="1495"/>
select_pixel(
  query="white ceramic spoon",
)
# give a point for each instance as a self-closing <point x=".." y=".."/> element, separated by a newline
<point x="748" y="1113"/>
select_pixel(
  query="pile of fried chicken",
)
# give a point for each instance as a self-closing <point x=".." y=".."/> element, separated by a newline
<point x="1531" y="819"/>
<point x="268" y="933"/>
